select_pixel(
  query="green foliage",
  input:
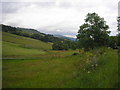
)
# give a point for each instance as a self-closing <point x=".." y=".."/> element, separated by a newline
<point x="113" y="41"/>
<point x="51" y="38"/>
<point x="72" y="44"/>
<point x="93" y="33"/>
<point x="60" y="45"/>
<point x="36" y="36"/>
<point x="104" y="74"/>
<point x="9" y="29"/>
<point x="65" y="45"/>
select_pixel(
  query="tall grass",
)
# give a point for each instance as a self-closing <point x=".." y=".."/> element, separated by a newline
<point x="64" y="72"/>
<point x="15" y="50"/>
<point x="104" y="75"/>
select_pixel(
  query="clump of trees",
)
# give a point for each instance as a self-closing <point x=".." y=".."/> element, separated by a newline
<point x="65" y="45"/>
<point x="113" y="42"/>
<point x="9" y="29"/>
<point x="60" y="45"/>
<point x="93" y="33"/>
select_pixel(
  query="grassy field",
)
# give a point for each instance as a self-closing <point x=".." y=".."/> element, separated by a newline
<point x="15" y="46"/>
<point x="26" y="42"/>
<point x="40" y="68"/>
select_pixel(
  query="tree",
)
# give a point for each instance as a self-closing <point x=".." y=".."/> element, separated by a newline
<point x="93" y="33"/>
<point x="73" y="45"/>
<point x="60" y="45"/>
<point x="113" y="42"/>
<point x="36" y="36"/>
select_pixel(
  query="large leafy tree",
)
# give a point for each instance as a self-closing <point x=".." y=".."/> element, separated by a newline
<point x="94" y="32"/>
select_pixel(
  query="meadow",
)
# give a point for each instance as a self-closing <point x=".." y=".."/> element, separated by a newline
<point x="29" y="63"/>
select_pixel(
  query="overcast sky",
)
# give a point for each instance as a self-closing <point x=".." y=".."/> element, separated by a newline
<point x="61" y="17"/>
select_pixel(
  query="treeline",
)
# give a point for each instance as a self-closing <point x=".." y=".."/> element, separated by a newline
<point x="65" y="45"/>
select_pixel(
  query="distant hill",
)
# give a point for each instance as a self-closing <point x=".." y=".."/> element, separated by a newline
<point x="64" y="37"/>
<point x="32" y="33"/>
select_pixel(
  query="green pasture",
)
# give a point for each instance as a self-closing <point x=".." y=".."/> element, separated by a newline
<point x="65" y="72"/>
<point x="26" y="42"/>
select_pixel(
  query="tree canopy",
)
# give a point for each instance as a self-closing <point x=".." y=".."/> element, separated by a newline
<point x="94" y="32"/>
<point x="65" y="45"/>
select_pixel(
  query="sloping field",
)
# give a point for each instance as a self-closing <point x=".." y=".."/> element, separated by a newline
<point x="12" y="50"/>
<point x="14" y="46"/>
<point x="26" y="42"/>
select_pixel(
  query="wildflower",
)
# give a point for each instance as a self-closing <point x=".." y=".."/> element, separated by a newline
<point x="88" y="72"/>
<point x="96" y="65"/>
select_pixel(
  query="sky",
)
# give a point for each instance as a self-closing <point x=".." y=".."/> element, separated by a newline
<point x="61" y="17"/>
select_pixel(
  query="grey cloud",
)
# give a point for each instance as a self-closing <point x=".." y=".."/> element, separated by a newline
<point x="65" y="5"/>
<point x="7" y="8"/>
<point x="45" y="4"/>
<point x="12" y="7"/>
<point x="59" y="28"/>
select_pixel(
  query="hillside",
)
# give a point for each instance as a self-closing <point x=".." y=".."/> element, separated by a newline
<point x="18" y="45"/>
<point x="32" y="33"/>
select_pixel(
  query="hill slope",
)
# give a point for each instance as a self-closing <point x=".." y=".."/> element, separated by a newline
<point x="32" y="33"/>
<point x="14" y="45"/>
<point x="26" y="42"/>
